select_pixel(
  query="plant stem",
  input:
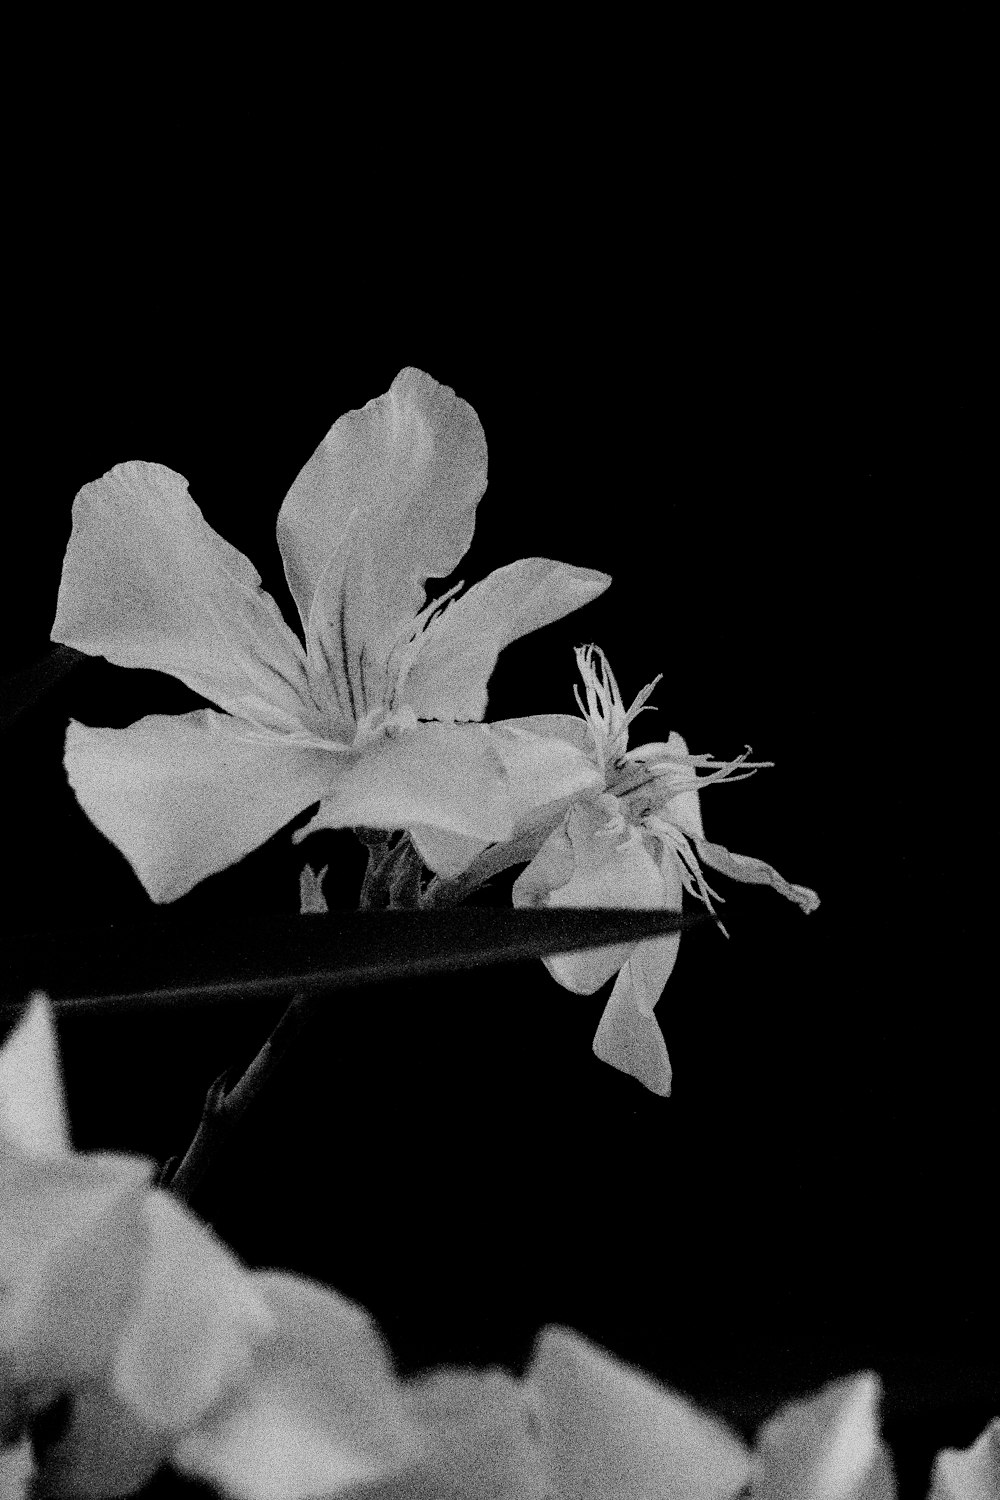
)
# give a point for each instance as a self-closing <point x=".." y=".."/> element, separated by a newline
<point x="227" y="1101"/>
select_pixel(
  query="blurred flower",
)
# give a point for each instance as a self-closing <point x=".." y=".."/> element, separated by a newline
<point x="386" y="501"/>
<point x="971" y="1473"/>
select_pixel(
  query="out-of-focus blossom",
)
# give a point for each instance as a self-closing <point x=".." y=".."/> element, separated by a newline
<point x="971" y="1473"/>
<point x="372" y="718"/>
<point x="117" y="1298"/>
<point x="633" y="838"/>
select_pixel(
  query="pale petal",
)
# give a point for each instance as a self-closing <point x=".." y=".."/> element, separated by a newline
<point x="605" y="871"/>
<point x="971" y="1473"/>
<point x="411" y="465"/>
<point x="32" y="1101"/>
<point x="193" y="1323"/>
<point x="146" y="582"/>
<point x="183" y="796"/>
<point x="683" y="808"/>
<point x="826" y="1448"/>
<point x="17" y="1471"/>
<point x="609" y="1430"/>
<point x="449" y="776"/>
<point x="71" y="1244"/>
<point x="461" y="646"/>
<point x="543" y="773"/>
<point x="482" y="1433"/>
<point x="754" y="872"/>
<point x="317" y="1409"/>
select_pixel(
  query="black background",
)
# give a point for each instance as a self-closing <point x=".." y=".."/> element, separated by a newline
<point x="739" y="393"/>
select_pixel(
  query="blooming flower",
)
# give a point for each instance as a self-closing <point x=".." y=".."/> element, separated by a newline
<point x="374" y="717"/>
<point x="636" y="840"/>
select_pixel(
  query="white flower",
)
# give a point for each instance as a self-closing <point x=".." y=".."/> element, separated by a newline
<point x="386" y="501"/>
<point x="636" y="841"/>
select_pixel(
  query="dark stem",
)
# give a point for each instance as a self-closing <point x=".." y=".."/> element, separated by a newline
<point x="227" y="1101"/>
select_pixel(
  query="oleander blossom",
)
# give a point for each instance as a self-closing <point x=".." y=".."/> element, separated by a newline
<point x="638" y="841"/>
<point x="376" y="717"/>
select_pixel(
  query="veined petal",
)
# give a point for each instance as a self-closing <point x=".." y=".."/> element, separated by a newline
<point x="183" y="796"/>
<point x="411" y="466"/>
<point x="754" y="872"/>
<point x="610" y="1430"/>
<point x="146" y="582"/>
<point x="609" y="868"/>
<point x="629" y="1037"/>
<point x="448" y="776"/>
<point x="316" y="1410"/>
<point x="33" y="1114"/>
<point x="460" y="648"/>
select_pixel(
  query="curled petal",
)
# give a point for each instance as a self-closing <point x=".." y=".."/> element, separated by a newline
<point x="411" y="466"/>
<point x="32" y="1101"/>
<point x="608" y="1430"/>
<point x="448" y="776"/>
<point x="146" y="582"/>
<point x="315" y="1411"/>
<point x="460" y="647"/>
<point x="754" y="872"/>
<point x="185" y="795"/>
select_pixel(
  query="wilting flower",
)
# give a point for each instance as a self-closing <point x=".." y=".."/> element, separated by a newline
<point x="635" y="838"/>
<point x="373" y="717"/>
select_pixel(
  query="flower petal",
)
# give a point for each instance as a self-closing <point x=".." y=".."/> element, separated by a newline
<point x="183" y="796"/>
<point x="826" y="1448"/>
<point x="71" y="1239"/>
<point x="317" y="1410"/>
<point x="191" y="1328"/>
<point x="609" y="1430"/>
<point x="604" y="872"/>
<point x="460" y="647"/>
<point x="32" y="1101"/>
<point x="683" y="808"/>
<point x="543" y="773"/>
<point x="754" y="872"/>
<point x="969" y="1473"/>
<point x="412" y="466"/>
<point x="146" y="582"/>
<point x="449" y="776"/>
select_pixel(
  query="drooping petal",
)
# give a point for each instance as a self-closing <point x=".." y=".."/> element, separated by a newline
<point x="32" y="1100"/>
<point x="610" y="867"/>
<point x="183" y="796"/>
<point x="146" y="582"/>
<point x="315" y="1411"/>
<point x="411" y="465"/>
<point x="609" y="1430"/>
<point x="628" y="1036"/>
<point x="460" y="647"/>
<point x="449" y="776"/>
<point x="754" y="872"/>
<point x="969" y="1473"/>
<point x="826" y="1448"/>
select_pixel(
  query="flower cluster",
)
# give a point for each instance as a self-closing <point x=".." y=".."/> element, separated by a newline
<point x="162" y="1349"/>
